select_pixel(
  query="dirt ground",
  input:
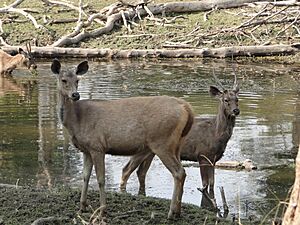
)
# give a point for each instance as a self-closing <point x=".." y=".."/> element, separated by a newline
<point x="24" y="205"/>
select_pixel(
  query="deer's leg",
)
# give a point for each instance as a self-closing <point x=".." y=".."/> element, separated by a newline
<point x="141" y="173"/>
<point x="98" y="158"/>
<point x="87" y="169"/>
<point x="211" y="181"/>
<point x="203" y="164"/>
<point x="173" y="164"/>
<point x="132" y="164"/>
<point x="207" y="176"/>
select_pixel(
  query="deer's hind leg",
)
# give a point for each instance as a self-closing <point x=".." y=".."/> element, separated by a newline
<point x="132" y="164"/>
<point x="141" y="173"/>
<point x="170" y="157"/>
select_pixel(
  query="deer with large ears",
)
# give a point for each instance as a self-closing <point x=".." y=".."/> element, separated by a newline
<point x="139" y="126"/>
<point x="23" y="59"/>
<point x="205" y="143"/>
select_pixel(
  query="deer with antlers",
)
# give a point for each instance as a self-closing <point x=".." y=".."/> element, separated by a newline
<point x="205" y="143"/>
<point x="23" y="59"/>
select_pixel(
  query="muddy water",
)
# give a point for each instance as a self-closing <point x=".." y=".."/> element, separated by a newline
<point x="35" y="149"/>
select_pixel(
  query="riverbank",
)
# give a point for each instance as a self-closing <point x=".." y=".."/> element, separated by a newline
<point x="24" y="205"/>
<point x="253" y="26"/>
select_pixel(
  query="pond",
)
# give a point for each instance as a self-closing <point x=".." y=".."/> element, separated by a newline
<point x="35" y="149"/>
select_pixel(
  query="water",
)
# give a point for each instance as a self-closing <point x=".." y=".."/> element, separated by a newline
<point x="35" y="149"/>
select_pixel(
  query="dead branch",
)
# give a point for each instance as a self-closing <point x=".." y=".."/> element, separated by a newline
<point x="113" y="15"/>
<point x="11" y="8"/>
<point x="47" y="220"/>
<point x="58" y="21"/>
<point x="13" y="5"/>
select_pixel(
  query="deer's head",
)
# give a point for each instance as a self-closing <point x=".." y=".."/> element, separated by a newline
<point x="68" y="80"/>
<point x="28" y="60"/>
<point x="228" y="99"/>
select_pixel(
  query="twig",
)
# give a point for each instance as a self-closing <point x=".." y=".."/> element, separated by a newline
<point x="287" y="27"/>
<point x="206" y="195"/>
<point x="11" y="8"/>
<point x="137" y="35"/>
<point x="126" y="214"/>
<point x="205" y="16"/>
<point x="125" y="21"/>
<point x="41" y="221"/>
<point x="13" y="5"/>
<point x="297" y="29"/>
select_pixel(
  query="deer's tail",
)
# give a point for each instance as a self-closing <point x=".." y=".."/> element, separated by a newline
<point x="190" y="120"/>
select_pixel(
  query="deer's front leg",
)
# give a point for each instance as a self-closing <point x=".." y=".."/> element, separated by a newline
<point x="87" y="169"/>
<point x="98" y="158"/>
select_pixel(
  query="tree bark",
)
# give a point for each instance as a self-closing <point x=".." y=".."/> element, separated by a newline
<point x="292" y="214"/>
<point x="223" y="52"/>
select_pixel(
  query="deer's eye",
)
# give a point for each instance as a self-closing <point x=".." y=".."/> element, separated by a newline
<point x="77" y="81"/>
<point x="64" y="81"/>
<point x="226" y="100"/>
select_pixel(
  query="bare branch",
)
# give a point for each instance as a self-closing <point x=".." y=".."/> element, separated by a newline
<point x="27" y="15"/>
<point x="13" y="5"/>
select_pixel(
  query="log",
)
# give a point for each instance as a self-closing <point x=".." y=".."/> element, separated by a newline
<point x="223" y="52"/>
<point x="236" y="165"/>
<point x="292" y="214"/>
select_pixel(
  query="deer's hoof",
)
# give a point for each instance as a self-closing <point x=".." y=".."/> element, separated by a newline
<point x="173" y="215"/>
<point x="83" y="207"/>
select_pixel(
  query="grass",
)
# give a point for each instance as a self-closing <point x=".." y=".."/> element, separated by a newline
<point x="21" y="206"/>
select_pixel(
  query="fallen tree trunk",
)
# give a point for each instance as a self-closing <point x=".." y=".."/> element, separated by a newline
<point x="292" y="214"/>
<point x="223" y="52"/>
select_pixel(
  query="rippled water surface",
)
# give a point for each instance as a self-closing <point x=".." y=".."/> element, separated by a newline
<point x="35" y="149"/>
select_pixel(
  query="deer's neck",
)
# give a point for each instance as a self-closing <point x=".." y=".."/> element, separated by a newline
<point x="14" y="61"/>
<point x="224" y="123"/>
<point x="66" y="111"/>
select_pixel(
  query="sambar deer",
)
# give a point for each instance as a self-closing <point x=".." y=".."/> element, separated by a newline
<point x="205" y="143"/>
<point x="23" y="59"/>
<point x="139" y="126"/>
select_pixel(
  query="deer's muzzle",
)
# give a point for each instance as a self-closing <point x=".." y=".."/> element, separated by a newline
<point x="75" y="96"/>
<point x="236" y="112"/>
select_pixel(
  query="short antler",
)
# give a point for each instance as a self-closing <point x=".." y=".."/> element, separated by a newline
<point x="28" y="47"/>
<point x="217" y="80"/>
<point x="235" y="84"/>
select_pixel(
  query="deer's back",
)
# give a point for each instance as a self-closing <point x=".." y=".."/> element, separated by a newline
<point x="129" y="124"/>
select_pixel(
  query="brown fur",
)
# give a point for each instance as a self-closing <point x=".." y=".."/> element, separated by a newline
<point x="131" y="126"/>
<point x="9" y="63"/>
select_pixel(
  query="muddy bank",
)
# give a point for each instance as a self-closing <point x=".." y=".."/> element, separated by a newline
<point x="25" y="205"/>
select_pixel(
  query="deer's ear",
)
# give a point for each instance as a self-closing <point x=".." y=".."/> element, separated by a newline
<point x="55" y="67"/>
<point x="82" y="68"/>
<point x="21" y="51"/>
<point x="214" y="91"/>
